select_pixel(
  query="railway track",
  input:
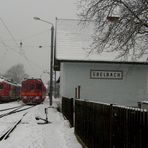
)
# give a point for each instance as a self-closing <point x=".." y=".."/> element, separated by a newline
<point x="6" y="134"/>
<point x="9" y="129"/>
<point x="16" y="110"/>
<point x="10" y="108"/>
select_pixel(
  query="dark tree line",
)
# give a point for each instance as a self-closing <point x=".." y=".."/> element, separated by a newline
<point x="120" y="26"/>
<point x="16" y="73"/>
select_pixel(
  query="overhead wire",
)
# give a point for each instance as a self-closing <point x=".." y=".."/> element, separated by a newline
<point x="22" y="52"/>
<point x="9" y="32"/>
<point x="11" y="35"/>
<point x="29" y="46"/>
<point x="34" y="35"/>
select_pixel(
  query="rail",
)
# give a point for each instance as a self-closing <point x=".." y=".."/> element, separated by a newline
<point x="5" y="135"/>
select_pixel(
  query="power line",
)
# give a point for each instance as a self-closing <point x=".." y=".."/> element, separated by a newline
<point x="4" y="24"/>
<point x="31" y="46"/>
<point x="21" y="51"/>
<point x="35" y="35"/>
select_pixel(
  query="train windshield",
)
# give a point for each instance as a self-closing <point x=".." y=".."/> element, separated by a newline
<point x="39" y="86"/>
<point x="28" y="86"/>
<point x="1" y="86"/>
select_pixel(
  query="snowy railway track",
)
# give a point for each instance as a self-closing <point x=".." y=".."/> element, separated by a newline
<point x="11" y="108"/>
<point x="6" y="134"/>
<point x="16" y="110"/>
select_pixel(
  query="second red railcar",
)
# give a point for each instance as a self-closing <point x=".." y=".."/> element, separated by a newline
<point x="9" y="91"/>
<point x="33" y="91"/>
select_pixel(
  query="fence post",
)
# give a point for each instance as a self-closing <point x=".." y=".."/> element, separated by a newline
<point x="79" y="91"/>
<point x="76" y="96"/>
<point x="110" y="131"/>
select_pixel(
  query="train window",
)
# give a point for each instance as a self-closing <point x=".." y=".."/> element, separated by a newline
<point x="1" y="86"/>
<point x="28" y="86"/>
<point x="24" y="86"/>
<point x="31" y="86"/>
<point x="39" y="86"/>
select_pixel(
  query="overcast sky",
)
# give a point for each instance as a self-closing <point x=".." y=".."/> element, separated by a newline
<point x="17" y="25"/>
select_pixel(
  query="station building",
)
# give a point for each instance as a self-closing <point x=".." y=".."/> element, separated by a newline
<point x="96" y="77"/>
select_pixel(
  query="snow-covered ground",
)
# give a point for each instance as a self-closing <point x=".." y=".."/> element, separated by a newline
<point x="30" y="134"/>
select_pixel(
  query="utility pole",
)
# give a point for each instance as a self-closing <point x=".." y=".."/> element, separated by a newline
<point x="51" y="66"/>
<point x="50" y="94"/>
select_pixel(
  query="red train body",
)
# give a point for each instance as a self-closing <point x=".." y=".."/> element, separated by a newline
<point x="9" y="91"/>
<point x="33" y="91"/>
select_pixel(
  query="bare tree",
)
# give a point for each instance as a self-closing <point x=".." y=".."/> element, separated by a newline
<point x="16" y="73"/>
<point x="120" y="26"/>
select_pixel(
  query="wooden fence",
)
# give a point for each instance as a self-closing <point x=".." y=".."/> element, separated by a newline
<point x="92" y="124"/>
<point x="109" y="126"/>
<point x="67" y="109"/>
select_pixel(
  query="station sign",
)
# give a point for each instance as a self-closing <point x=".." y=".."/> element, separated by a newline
<point x="106" y="74"/>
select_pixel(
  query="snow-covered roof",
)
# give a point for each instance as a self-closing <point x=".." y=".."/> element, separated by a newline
<point x="143" y="102"/>
<point x="3" y="79"/>
<point x="74" y="41"/>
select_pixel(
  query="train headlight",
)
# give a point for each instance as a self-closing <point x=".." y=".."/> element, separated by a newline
<point x="37" y="98"/>
<point x="24" y="97"/>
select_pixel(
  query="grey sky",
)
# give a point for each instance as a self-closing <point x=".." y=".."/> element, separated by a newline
<point x="17" y="25"/>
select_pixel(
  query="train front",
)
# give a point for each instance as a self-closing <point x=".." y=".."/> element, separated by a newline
<point x="4" y="91"/>
<point x="32" y="91"/>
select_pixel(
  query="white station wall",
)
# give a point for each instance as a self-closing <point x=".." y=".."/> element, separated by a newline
<point x="127" y="91"/>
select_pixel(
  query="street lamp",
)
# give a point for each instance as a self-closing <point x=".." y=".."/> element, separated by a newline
<point x="51" y="57"/>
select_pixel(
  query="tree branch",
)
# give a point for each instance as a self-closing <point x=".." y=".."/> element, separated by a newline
<point x="136" y="16"/>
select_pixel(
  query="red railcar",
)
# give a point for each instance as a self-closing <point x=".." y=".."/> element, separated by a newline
<point x="33" y="91"/>
<point x="9" y="91"/>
